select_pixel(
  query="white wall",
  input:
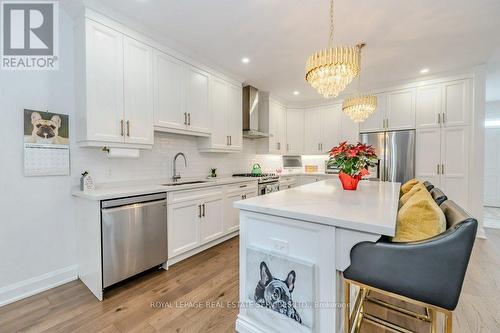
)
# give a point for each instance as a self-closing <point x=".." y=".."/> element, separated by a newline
<point x="492" y="158"/>
<point x="37" y="232"/>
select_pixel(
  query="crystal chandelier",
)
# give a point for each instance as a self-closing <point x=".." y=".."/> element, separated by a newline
<point x="359" y="107"/>
<point x="329" y="71"/>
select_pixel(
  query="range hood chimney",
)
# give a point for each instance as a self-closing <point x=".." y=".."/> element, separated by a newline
<point x="251" y="114"/>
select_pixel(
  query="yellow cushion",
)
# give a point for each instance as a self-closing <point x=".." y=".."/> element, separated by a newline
<point x="405" y="197"/>
<point x="406" y="187"/>
<point x="419" y="218"/>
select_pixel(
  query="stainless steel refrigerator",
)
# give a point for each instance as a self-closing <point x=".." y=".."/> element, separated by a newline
<point x="396" y="153"/>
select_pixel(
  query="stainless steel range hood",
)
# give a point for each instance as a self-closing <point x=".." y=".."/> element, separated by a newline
<point x="251" y="114"/>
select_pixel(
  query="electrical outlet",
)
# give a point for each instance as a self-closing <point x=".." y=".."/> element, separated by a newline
<point x="279" y="245"/>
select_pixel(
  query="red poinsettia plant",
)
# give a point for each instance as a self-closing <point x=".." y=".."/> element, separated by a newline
<point x="353" y="159"/>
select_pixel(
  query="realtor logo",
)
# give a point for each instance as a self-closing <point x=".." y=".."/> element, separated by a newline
<point x="30" y="35"/>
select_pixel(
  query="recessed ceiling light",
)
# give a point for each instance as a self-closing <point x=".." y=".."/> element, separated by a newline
<point x="245" y="60"/>
<point x="296" y="92"/>
<point x="424" y="70"/>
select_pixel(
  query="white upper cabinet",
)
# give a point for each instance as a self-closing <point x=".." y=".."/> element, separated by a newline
<point x="330" y="127"/>
<point x="395" y="111"/>
<point x="169" y="92"/>
<point x="226" y="117"/>
<point x="234" y="116"/>
<point x="197" y="102"/>
<point x="272" y="120"/>
<point x="138" y="89"/>
<point x="349" y="130"/>
<point x="181" y="97"/>
<point x="457" y="103"/>
<point x="100" y="86"/>
<point x="294" y="131"/>
<point x="429" y="106"/>
<point x="400" y="112"/>
<point x="114" y="88"/>
<point x="376" y="121"/>
<point x="446" y="104"/>
<point x="277" y="128"/>
<point x="312" y="131"/>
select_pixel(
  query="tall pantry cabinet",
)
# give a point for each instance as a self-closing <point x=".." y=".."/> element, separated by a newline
<point x="443" y="129"/>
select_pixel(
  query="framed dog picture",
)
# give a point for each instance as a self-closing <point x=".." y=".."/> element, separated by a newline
<point x="46" y="143"/>
<point x="281" y="289"/>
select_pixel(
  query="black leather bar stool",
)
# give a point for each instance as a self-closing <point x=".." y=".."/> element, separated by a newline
<point x="428" y="273"/>
<point x="428" y="185"/>
<point x="438" y="196"/>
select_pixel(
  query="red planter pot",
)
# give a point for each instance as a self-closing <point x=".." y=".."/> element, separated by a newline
<point x="349" y="183"/>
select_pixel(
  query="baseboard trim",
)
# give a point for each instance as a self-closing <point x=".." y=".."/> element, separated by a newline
<point x="22" y="289"/>
<point x="192" y="252"/>
<point x="245" y="326"/>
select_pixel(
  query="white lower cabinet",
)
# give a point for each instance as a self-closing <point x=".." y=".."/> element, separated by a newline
<point x="231" y="214"/>
<point x="200" y="218"/>
<point x="211" y="226"/>
<point x="442" y="158"/>
<point x="183" y="227"/>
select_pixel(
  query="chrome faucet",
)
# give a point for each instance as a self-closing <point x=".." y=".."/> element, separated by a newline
<point x="176" y="176"/>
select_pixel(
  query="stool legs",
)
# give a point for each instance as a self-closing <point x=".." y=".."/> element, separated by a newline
<point x="347" y="307"/>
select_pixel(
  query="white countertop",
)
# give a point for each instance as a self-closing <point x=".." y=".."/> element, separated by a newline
<point x="132" y="188"/>
<point x="371" y="208"/>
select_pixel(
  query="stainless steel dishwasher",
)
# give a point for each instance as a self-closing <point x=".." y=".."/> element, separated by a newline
<point x="134" y="236"/>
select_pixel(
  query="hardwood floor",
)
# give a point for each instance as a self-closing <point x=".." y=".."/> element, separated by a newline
<point x="175" y="300"/>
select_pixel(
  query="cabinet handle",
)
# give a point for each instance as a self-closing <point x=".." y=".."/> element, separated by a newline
<point x="128" y="128"/>
<point x="189" y="118"/>
<point x="203" y="210"/>
<point x="439" y="118"/>
<point x="444" y="119"/>
<point x="442" y="169"/>
<point x="121" y="128"/>
<point x="230" y="140"/>
<point x="199" y="211"/>
<point x="244" y="196"/>
<point x="279" y="145"/>
<point x="386" y="122"/>
<point x="227" y="140"/>
<point x="242" y="186"/>
<point x="185" y="118"/>
<point x="321" y="145"/>
<point x="287" y="147"/>
<point x="438" y="169"/>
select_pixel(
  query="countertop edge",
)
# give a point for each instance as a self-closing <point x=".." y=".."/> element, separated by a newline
<point x="120" y="192"/>
<point x="353" y="225"/>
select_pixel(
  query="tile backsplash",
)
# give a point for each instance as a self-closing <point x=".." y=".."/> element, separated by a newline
<point x="157" y="163"/>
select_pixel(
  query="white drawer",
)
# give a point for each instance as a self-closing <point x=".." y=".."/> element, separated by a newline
<point x="194" y="194"/>
<point x="241" y="187"/>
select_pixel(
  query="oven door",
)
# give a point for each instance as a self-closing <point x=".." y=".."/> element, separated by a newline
<point x="269" y="188"/>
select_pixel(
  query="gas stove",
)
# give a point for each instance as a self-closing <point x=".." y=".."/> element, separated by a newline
<point x="267" y="182"/>
<point x="262" y="178"/>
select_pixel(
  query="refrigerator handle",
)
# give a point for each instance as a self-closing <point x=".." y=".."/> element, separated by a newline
<point x="378" y="169"/>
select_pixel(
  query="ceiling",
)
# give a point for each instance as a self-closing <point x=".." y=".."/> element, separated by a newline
<point x="277" y="36"/>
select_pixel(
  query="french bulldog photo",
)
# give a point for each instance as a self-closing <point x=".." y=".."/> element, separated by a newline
<point x="45" y="131"/>
<point x="276" y="294"/>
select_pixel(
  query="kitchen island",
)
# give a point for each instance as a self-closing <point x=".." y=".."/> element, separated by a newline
<point x="294" y="245"/>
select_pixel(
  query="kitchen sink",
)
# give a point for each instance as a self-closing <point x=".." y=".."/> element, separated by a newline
<point x="185" y="183"/>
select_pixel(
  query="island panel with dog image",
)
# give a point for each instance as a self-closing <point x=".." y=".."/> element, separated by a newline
<point x="282" y="284"/>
